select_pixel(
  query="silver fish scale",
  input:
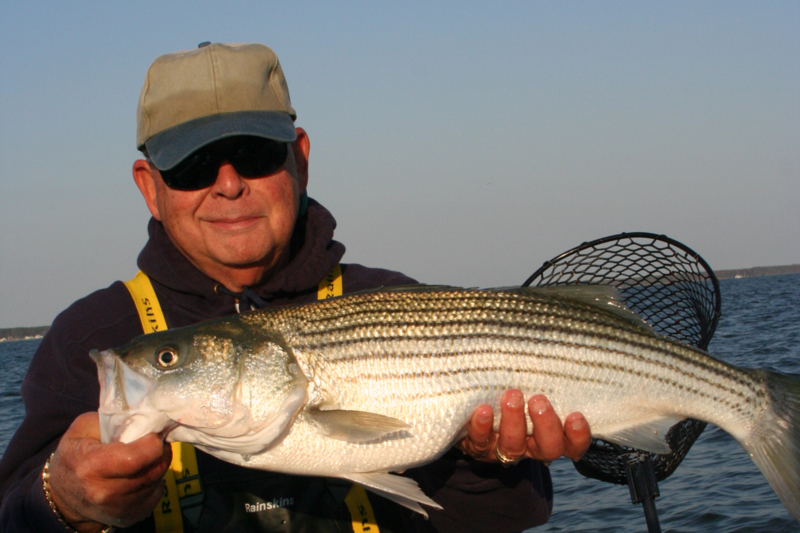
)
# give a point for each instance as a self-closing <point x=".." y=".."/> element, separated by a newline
<point x="430" y="357"/>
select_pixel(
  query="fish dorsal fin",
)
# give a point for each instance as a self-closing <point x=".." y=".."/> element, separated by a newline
<point x="399" y="489"/>
<point x="355" y="426"/>
<point x="603" y="297"/>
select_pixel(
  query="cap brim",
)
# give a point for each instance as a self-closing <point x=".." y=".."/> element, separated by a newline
<point x="170" y="147"/>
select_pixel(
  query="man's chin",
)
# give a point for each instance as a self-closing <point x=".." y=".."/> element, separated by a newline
<point x="246" y="260"/>
<point x="265" y="259"/>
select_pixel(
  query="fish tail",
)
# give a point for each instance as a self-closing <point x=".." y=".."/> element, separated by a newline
<point x="774" y="442"/>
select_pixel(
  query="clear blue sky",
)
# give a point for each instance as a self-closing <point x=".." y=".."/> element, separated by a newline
<point x="461" y="143"/>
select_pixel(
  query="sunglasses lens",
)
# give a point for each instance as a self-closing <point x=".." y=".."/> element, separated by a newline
<point x="252" y="157"/>
<point x="258" y="157"/>
<point x="196" y="172"/>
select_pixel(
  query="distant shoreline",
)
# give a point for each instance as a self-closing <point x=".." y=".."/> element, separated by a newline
<point x="757" y="272"/>
<point x="19" y="334"/>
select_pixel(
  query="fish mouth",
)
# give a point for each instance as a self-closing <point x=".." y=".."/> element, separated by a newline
<point x="124" y="413"/>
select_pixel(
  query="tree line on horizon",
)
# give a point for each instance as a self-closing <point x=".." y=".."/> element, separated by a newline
<point x="15" y="334"/>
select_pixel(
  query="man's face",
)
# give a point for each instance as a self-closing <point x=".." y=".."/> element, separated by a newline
<point x="238" y="228"/>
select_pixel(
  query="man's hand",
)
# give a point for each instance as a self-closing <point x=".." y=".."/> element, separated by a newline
<point x="117" y="484"/>
<point x="549" y="440"/>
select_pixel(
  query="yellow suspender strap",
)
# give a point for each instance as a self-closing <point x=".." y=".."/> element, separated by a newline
<point x="356" y="500"/>
<point x="182" y="490"/>
<point x="361" y="511"/>
<point x="331" y="285"/>
<point x="146" y="303"/>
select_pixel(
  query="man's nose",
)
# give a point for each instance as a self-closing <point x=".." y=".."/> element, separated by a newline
<point x="229" y="183"/>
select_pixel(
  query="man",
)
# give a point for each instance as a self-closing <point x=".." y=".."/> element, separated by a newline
<point x="225" y="180"/>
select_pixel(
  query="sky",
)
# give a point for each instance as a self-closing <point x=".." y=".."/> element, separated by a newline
<point x="462" y="143"/>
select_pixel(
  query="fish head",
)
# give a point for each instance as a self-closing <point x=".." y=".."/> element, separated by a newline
<point x="222" y="383"/>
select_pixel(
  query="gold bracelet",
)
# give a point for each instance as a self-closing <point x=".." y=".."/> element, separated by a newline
<point x="49" y="497"/>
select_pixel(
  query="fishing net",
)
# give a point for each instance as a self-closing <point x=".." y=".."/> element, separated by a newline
<point x="673" y="289"/>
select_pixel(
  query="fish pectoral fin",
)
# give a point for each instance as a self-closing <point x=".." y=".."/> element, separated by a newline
<point x="401" y="490"/>
<point x="355" y="426"/>
<point x="649" y="436"/>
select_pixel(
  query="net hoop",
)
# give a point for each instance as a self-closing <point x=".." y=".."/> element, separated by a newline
<point x="673" y="289"/>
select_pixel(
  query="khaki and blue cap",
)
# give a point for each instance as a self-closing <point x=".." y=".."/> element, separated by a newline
<point x="195" y="97"/>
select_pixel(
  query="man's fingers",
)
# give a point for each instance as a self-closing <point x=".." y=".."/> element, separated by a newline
<point x="577" y="435"/>
<point x="98" y="483"/>
<point x="138" y="458"/>
<point x="135" y="489"/>
<point x="511" y="441"/>
<point x="479" y="432"/>
<point x="113" y="460"/>
<point x="137" y="504"/>
<point x="547" y="442"/>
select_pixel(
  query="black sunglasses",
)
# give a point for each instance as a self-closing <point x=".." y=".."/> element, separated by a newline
<point x="252" y="157"/>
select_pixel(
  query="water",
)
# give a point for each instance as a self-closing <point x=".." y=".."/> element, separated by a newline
<point x="14" y="360"/>
<point x="716" y="488"/>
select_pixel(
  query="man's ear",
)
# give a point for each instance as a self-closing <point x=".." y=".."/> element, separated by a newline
<point x="300" y="149"/>
<point x="146" y="181"/>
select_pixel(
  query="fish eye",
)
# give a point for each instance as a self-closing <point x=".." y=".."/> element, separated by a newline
<point x="167" y="356"/>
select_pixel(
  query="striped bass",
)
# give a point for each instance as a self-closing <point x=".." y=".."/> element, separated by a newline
<point x="381" y="381"/>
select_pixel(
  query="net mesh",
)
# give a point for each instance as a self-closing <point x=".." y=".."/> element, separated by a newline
<point x="673" y="289"/>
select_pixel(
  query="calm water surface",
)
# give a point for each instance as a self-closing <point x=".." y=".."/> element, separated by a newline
<point x="716" y="488"/>
<point x="14" y="360"/>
